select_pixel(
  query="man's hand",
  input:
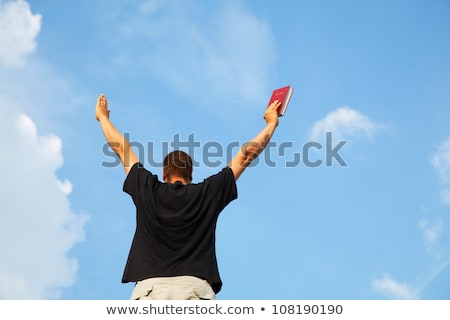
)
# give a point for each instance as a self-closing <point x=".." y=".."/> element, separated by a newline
<point x="101" y="109"/>
<point x="271" y="114"/>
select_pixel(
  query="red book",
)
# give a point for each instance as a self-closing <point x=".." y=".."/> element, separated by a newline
<point x="283" y="95"/>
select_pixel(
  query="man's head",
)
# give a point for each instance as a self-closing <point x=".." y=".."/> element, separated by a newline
<point x="177" y="166"/>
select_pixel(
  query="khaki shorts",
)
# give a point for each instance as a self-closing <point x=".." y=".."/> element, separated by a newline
<point x="173" y="288"/>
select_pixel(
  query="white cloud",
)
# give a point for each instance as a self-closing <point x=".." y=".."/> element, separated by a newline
<point x="344" y="122"/>
<point x="435" y="233"/>
<point x="227" y="53"/>
<point x="392" y="289"/>
<point x="445" y="196"/>
<point x="431" y="234"/>
<point x="434" y="273"/>
<point x="441" y="161"/>
<point x="436" y="244"/>
<point x="18" y="30"/>
<point x="38" y="225"/>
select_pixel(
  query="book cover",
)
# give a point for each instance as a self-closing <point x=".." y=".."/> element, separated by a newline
<point x="283" y="95"/>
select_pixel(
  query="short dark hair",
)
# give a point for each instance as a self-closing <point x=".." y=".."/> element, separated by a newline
<point x="178" y="163"/>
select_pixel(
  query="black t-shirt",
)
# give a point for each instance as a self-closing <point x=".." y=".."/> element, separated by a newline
<point x="175" y="225"/>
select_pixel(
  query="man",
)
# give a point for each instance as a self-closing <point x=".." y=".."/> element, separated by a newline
<point x="173" y="253"/>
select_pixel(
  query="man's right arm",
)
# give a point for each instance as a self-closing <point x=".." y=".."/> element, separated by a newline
<point x="115" y="139"/>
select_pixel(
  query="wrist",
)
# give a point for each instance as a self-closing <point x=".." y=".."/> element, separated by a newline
<point x="272" y="125"/>
<point x="102" y="118"/>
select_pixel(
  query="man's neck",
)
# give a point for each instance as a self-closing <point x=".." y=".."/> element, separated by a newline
<point x="175" y="179"/>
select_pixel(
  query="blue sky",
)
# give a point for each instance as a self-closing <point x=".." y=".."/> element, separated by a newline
<point x="376" y="74"/>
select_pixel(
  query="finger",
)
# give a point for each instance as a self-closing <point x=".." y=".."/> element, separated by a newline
<point x="275" y="105"/>
<point x="102" y="101"/>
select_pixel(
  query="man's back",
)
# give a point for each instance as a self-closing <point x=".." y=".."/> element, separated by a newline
<point x="175" y="232"/>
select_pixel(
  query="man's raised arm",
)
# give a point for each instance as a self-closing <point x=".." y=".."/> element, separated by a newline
<point x="250" y="150"/>
<point x="115" y="139"/>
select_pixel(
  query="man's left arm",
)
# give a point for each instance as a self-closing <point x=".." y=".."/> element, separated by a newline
<point x="115" y="139"/>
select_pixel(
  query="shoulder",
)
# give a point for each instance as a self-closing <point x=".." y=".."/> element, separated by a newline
<point x="138" y="177"/>
<point x="136" y="170"/>
<point x="225" y="174"/>
<point x="223" y="180"/>
<point x="222" y="186"/>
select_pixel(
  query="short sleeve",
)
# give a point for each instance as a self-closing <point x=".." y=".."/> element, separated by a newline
<point x="223" y="186"/>
<point x="138" y="179"/>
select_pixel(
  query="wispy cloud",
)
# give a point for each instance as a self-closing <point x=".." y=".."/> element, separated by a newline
<point x="435" y="239"/>
<point x="226" y="53"/>
<point x="344" y="122"/>
<point x="437" y="268"/>
<point x="445" y="196"/>
<point x="18" y="30"/>
<point x="435" y="233"/>
<point x="441" y="163"/>
<point x="432" y="232"/>
<point x="39" y="226"/>
<point x="393" y="289"/>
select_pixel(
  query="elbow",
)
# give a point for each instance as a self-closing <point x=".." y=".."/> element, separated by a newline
<point x="118" y="148"/>
<point x="250" y="152"/>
